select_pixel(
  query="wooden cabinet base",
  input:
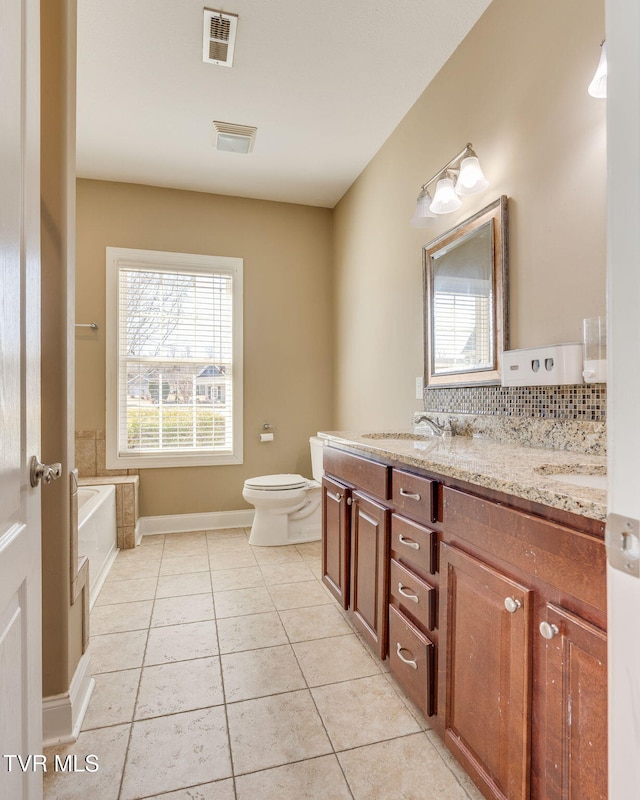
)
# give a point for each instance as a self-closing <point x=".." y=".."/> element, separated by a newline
<point x="411" y="661"/>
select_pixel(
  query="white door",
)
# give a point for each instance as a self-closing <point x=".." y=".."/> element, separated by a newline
<point x="20" y="579"/>
<point x="623" y="299"/>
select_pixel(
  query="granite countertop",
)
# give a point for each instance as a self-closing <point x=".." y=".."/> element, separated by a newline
<point x="507" y="467"/>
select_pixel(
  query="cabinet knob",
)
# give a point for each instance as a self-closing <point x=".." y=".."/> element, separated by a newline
<point x="549" y="630"/>
<point x="512" y="604"/>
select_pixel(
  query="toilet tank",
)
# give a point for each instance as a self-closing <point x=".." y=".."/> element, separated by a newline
<point x="317" y="445"/>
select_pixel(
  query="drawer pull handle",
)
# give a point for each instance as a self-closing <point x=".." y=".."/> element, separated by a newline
<point x="410" y="495"/>
<point x="413" y="597"/>
<point x="408" y="542"/>
<point x="407" y="661"/>
<point x="336" y="497"/>
<point x="549" y="630"/>
<point x="512" y="604"/>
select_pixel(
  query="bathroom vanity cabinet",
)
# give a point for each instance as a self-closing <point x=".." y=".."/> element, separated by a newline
<point x="493" y="618"/>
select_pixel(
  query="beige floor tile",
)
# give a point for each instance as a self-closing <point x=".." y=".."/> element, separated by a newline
<point x="340" y="658"/>
<point x="242" y="578"/>
<point x="258" y="673"/>
<point x="227" y="533"/>
<point x="250" y="632"/>
<point x="134" y="569"/>
<point x="179" y="585"/>
<point x="310" y="549"/>
<point x="228" y="544"/>
<point x="276" y="555"/>
<point x="317" y="622"/>
<point x="408" y="768"/>
<point x="175" y="549"/>
<point x="179" y="686"/>
<point x="110" y="745"/>
<point x="315" y="565"/>
<point x="185" y="536"/>
<point x="313" y="779"/>
<point x="289" y="572"/>
<point x="127" y="591"/>
<point x="177" y="565"/>
<point x="119" y="617"/>
<point x="117" y="651"/>
<point x="277" y="730"/>
<point x="242" y="601"/>
<point x="181" y="642"/>
<point x="362" y="711"/>
<point x="152" y="540"/>
<point x="447" y="756"/>
<point x="417" y="714"/>
<point x="179" y="750"/>
<point x="113" y="699"/>
<point x="231" y="560"/>
<point x="176" y="610"/>
<point x="220" y="790"/>
<point x="299" y="595"/>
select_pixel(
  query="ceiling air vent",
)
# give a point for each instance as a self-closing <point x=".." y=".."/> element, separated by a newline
<point x="234" y="138"/>
<point x="219" y="37"/>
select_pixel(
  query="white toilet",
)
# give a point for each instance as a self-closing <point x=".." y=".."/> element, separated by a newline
<point x="288" y="509"/>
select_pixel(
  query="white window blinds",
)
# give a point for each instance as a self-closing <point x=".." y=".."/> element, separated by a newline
<point x="176" y="360"/>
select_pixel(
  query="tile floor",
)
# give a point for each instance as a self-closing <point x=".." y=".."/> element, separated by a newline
<point x="228" y="672"/>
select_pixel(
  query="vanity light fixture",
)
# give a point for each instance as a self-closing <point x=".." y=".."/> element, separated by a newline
<point x="598" y="85"/>
<point x="465" y="170"/>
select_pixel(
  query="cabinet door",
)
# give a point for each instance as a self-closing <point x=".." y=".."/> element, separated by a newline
<point x="487" y="688"/>
<point x="335" y="539"/>
<point x="575" y="708"/>
<point x="369" y="570"/>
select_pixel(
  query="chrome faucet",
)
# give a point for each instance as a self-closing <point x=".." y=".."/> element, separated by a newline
<point x="439" y="430"/>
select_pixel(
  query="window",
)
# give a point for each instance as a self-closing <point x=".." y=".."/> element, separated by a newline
<point x="174" y="359"/>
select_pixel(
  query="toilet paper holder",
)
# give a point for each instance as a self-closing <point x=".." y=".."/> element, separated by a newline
<point x="267" y="437"/>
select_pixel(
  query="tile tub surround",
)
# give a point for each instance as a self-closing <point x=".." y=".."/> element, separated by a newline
<point x="504" y="466"/>
<point x="127" y="487"/>
<point x="244" y="704"/>
<point x="91" y="455"/>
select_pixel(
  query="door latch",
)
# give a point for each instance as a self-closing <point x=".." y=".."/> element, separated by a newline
<point x="623" y="544"/>
<point x="47" y="473"/>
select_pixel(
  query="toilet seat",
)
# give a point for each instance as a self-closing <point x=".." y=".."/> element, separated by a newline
<point x="276" y="483"/>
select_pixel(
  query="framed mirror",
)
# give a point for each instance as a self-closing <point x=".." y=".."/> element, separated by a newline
<point x="465" y="300"/>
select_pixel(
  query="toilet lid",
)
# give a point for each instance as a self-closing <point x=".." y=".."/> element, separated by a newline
<point x="276" y="482"/>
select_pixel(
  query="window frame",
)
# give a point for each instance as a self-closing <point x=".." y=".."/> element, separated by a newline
<point x="117" y="258"/>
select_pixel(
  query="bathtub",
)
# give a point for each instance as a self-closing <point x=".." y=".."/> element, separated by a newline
<point x="97" y="532"/>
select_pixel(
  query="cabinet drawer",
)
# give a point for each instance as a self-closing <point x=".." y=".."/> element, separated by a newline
<point x="371" y="477"/>
<point x="414" y="495"/>
<point x="411" y="660"/>
<point x="414" y="544"/>
<point x="413" y="596"/>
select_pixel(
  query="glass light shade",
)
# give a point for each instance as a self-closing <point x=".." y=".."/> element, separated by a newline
<point x="423" y="213"/>
<point x="471" y="178"/>
<point x="446" y="200"/>
<point x="598" y="86"/>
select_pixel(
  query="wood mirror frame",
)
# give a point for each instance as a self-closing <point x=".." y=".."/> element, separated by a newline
<point x="465" y="273"/>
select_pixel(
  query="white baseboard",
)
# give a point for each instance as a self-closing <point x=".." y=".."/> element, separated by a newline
<point x="207" y="521"/>
<point x="62" y="714"/>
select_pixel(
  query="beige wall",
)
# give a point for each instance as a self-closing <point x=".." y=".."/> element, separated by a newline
<point x="287" y="252"/>
<point x="516" y="89"/>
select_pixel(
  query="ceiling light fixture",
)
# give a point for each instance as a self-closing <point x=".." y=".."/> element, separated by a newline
<point x="598" y="85"/>
<point x="465" y="169"/>
<point x="232" y="138"/>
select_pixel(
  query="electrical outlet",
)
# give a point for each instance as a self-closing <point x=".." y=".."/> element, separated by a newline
<point x="419" y="388"/>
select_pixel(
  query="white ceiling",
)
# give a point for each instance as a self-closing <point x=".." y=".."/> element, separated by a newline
<point x="324" y="82"/>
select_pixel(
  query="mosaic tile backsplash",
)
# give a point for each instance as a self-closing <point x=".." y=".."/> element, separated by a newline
<point x="583" y="402"/>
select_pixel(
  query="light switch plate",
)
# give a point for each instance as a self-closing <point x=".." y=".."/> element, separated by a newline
<point x="419" y="388"/>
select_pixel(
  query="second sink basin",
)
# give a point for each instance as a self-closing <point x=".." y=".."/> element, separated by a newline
<point x="588" y="476"/>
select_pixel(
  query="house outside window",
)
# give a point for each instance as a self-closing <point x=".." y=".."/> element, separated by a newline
<point x="174" y="359"/>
